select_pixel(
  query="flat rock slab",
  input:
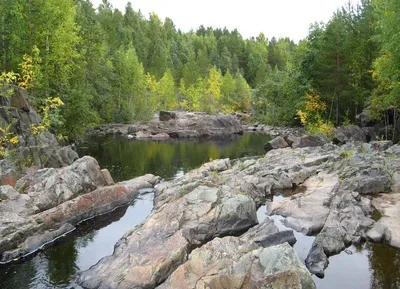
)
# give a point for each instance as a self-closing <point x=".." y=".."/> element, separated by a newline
<point x="307" y="211"/>
<point x="231" y="263"/>
<point x="146" y="256"/>
<point x="389" y="206"/>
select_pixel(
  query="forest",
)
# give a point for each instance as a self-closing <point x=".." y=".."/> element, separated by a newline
<point x="107" y="65"/>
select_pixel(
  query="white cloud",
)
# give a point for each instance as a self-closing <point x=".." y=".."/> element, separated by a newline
<point x="278" y="18"/>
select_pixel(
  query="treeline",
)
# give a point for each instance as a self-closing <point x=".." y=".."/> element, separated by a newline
<point x="114" y="66"/>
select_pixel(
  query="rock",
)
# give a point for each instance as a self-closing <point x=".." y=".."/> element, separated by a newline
<point x="40" y="150"/>
<point x="143" y="135"/>
<point x="278" y="238"/>
<point x="388" y="206"/>
<point x="160" y="244"/>
<point x="232" y="262"/>
<point x="27" y="230"/>
<point x="364" y="119"/>
<point x="317" y="261"/>
<point x="8" y="193"/>
<point x="19" y="98"/>
<point x="307" y="212"/>
<point x="107" y="177"/>
<point x="167" y="115"/>
<point x="276" y="143"/>
<point x="310" y="141"/>
<point x="377" y="233"/>
<point x="51" y="187"/>
<point x="380" y="146"/>
<point x="350" y="133"/>
<point x="184" y="125"/>
<point x="346" y="221"/>
<point x="8" y="173"/>
<point x="160" y="136"/>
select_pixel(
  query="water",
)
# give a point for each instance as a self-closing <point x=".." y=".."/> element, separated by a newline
<point x="57" y="265"/>
<point x="369" y="266"/>
<point x="126" y="159"/>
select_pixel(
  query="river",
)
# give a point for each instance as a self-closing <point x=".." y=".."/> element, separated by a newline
<point x="368" y="266"/>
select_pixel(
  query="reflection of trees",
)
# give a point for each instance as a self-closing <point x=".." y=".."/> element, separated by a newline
<point x="385" y="265"/>
<point x="19" y="275"/>
<point x="61" y="263"/>
<point x="126" y="159"/>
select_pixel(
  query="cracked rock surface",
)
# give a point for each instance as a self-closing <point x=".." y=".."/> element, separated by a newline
<point x="203" y="231"/>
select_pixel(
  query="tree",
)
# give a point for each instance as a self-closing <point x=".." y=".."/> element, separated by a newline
<point x="211" y="98"/>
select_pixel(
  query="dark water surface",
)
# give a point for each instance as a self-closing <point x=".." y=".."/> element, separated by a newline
<point x="368" y="267"/>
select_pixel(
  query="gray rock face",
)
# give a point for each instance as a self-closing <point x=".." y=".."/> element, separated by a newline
<point x="231" y="263"/>
<point x="147" y="255"/>
<point x="25" y="228"/>
<point x="180" y="125"/>
<point x="34" y="150"/>
<point x="8" y="173"/>
<point x="377" y="233"/>
<point x="350" y="133"/>
<point x="167" y="115"/>
<point x="51" y="187"/>
<point x="309" y="141"/>
<point x="346" y="221"/>
<point x="8" y="193"/>
<point x="276" y="143"/>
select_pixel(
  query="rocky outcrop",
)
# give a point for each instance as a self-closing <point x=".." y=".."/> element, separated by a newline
<point x="50" y="202"/>
<point x="191" y="238"/>
<point x="146" y="256"/>
<point x="167" y="115"/>
<point x="233" y="262"/>
<point x="213" y="201"/>
<point x="41" y="150"/>
<point x="350" y="133"/>
<point x="273" y="130"/>
<point x="276" y="143"/>
<point x="177" y="125"/>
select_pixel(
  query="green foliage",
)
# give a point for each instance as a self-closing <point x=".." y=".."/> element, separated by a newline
<point x="113" y="66"/>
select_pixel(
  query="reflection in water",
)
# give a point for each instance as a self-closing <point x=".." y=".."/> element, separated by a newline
<point x="56" y="266"/>
<point x="126" y="159"/>
<point x="374" y="266"/>
<point x="385" y="264"/>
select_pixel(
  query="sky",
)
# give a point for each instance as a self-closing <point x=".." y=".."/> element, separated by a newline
<point x="279" y="18"/>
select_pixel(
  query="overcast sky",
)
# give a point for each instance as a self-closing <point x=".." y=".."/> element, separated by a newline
<point x="279" y="18"/>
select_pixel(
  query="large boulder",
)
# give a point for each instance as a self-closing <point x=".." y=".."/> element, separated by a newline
<point x="51" y="187"/>
<point x="277" y="143"/>
<point x="350" y="133"/>
<point x="310" y="141"/>
<point x="167" y="115"/>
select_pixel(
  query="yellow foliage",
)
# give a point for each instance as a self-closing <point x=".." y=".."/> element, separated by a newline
<point x="27" y="72"/>
<point x="311" y="117"/>
<point x="7" y="139"/>
<point x="51" y="104"/>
